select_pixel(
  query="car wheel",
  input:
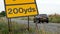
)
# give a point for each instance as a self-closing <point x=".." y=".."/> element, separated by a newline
<point x="47" y="21"/>
<point x="39" y="21"/>
<point x="34" y="21"/>
<point x="42" y="22"/>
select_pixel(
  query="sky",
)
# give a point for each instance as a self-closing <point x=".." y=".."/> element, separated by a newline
<point x="44" y="6"/>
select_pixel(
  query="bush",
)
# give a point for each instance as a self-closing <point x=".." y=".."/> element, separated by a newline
<point x="54" y="18"/>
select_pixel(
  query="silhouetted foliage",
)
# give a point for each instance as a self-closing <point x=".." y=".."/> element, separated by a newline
<point x="3" y="13"/>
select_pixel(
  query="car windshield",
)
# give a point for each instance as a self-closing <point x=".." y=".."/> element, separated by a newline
<point x="42" y="15"/>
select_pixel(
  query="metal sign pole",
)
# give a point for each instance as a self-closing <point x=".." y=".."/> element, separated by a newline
<point x="28" y="23"/>
<point x="9" y="26"/>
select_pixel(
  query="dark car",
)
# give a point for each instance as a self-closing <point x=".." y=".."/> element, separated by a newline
<point x="41" y="18"/>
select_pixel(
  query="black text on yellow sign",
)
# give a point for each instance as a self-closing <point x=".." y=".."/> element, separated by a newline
<point x="20" y="8"/>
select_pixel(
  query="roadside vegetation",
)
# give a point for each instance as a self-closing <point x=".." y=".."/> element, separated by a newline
<point x="2" y="14"/>
<point x="15" y="28"/>
<point x="54" y="18"/>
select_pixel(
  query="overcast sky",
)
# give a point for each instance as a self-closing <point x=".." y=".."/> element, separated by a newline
<point x="44" y="6"/>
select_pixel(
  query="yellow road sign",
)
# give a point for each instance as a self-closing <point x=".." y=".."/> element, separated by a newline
<point x="17" y="8"/>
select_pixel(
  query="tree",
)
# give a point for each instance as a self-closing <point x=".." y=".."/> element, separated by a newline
<point x="3" y="13"/>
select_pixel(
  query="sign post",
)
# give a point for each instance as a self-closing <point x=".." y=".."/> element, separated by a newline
<point x="28" y="23"/>
<point x="9" y="26"/>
